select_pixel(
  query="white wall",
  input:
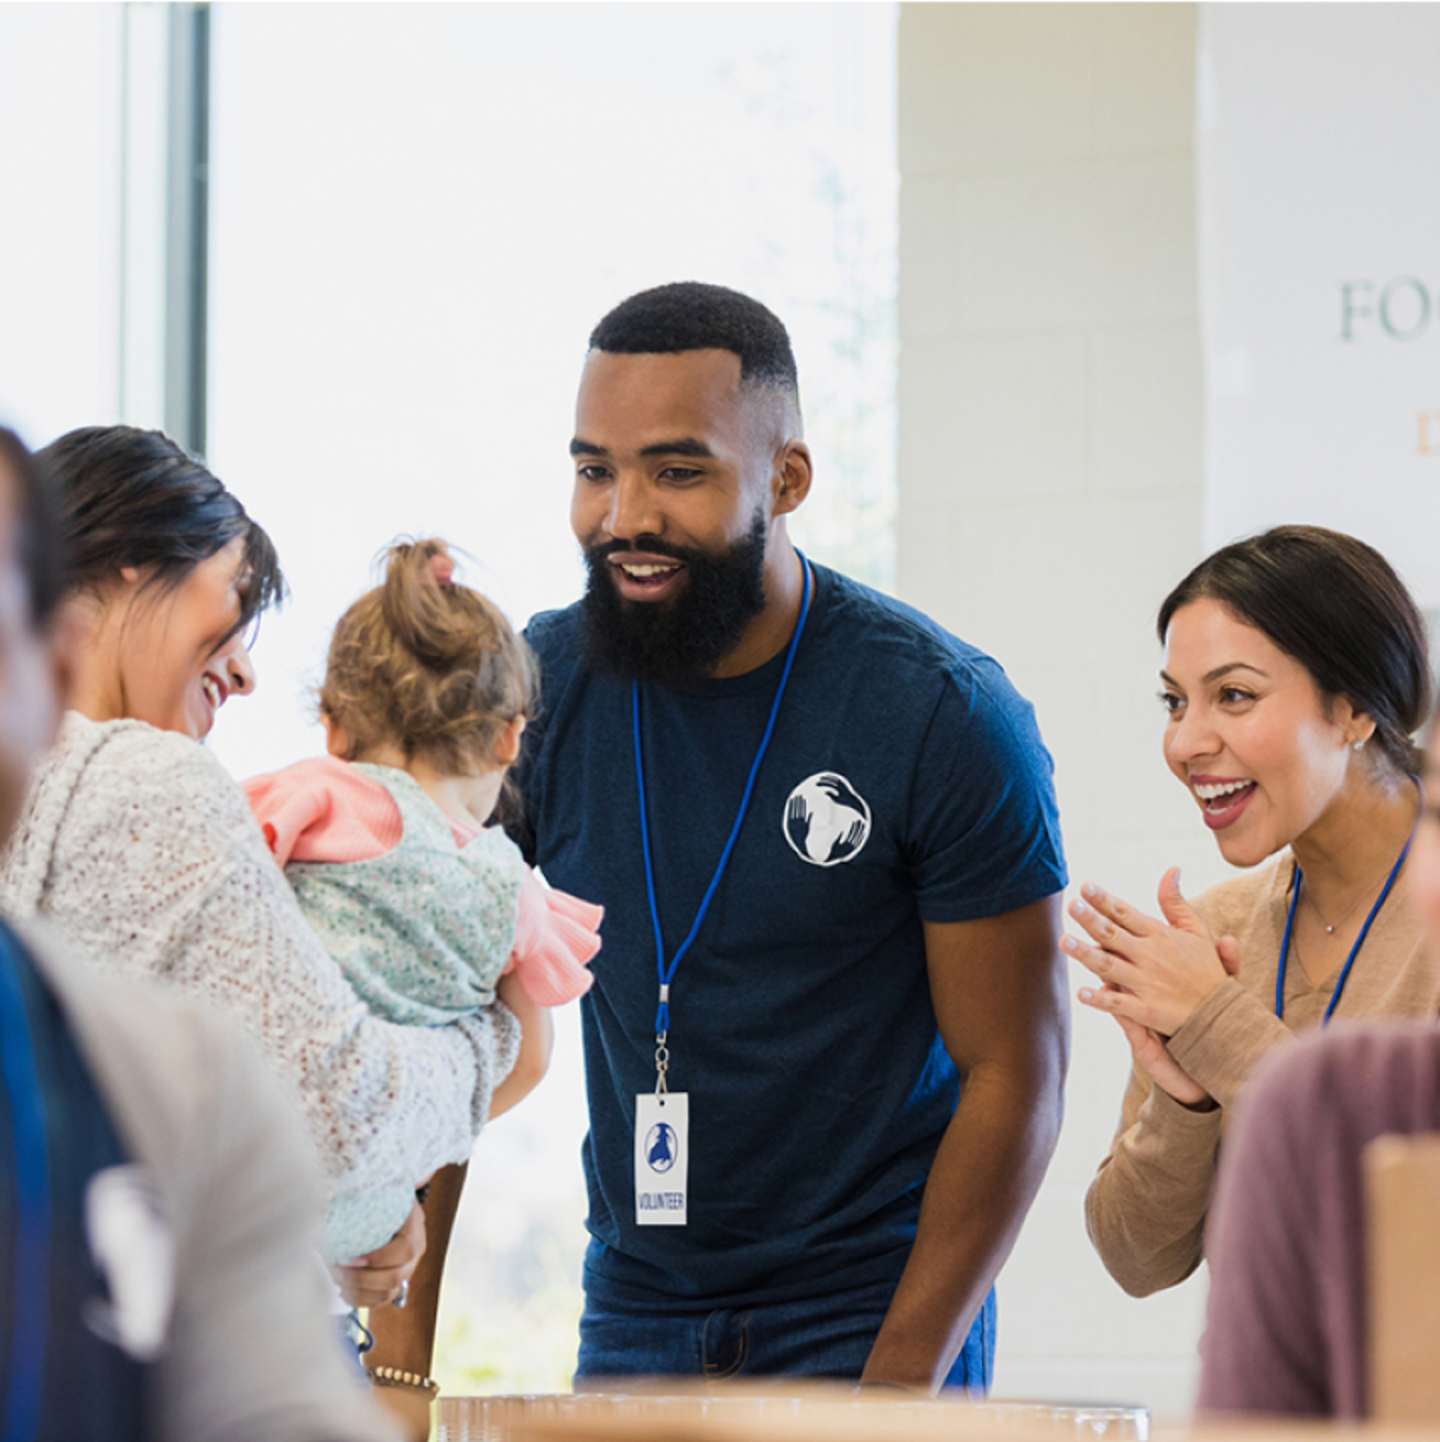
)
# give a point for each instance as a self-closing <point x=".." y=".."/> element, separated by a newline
<point x="1320" y="274"/>
<point x="1050" y="495"/>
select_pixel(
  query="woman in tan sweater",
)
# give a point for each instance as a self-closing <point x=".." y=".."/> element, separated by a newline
<point x="1296" y="670"/>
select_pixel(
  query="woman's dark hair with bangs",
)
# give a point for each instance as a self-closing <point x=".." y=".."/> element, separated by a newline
<point x="38" y="541"/>
<point x="131" y="497"/>
<point x="1337" y="606"/>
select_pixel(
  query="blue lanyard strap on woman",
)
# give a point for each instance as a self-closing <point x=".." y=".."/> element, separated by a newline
<point x="1354" y="950"/>
<point x="666" y="971"/>
<point x="29" y="1274"/>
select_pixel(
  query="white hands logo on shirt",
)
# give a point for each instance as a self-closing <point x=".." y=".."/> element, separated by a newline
<point x="826" y="821"/>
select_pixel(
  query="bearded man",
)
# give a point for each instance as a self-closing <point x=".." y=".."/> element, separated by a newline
<point x="828" y="1035"/>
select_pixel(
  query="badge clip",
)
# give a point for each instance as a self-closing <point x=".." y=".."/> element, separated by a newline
<point x="662" y="1051"/>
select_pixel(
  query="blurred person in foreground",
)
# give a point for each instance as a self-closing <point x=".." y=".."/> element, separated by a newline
<point x="825" y="835"/>
<point x="159" y="1204"/>
<point x="1289" y="1326"/>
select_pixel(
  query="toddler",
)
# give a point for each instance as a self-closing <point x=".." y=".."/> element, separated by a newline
<point x="430" y="911"/>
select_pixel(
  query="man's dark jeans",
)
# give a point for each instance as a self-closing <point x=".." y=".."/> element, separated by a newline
<point x="820" y="1337"/>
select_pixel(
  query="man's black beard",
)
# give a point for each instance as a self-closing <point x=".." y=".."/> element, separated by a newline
<point x="683" y="639"/>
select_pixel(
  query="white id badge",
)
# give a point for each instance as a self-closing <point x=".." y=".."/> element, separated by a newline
<point x="662" y="1141"/>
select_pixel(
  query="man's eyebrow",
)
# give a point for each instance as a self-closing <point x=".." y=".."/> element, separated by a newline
<point x="683" y="446"/>
<point x="680" y="446"/>
<point x="1218" y="672"/>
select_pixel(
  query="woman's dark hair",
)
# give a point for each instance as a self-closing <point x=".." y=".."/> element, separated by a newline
<point x="38" y="542"/>
<point x="1335" y="605"/>
<point x="130" y="497"/>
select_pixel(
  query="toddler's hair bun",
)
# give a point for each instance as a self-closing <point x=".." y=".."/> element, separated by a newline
<point x="419" y="597"/>
<point x="428" y="664"/>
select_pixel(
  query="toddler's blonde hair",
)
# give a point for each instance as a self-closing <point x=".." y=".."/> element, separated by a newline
<point x="427" y="664"/>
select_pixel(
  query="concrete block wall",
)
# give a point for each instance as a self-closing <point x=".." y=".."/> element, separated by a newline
<point x="1050" y="431"/>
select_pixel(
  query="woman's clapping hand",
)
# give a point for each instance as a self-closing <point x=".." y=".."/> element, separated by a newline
<point x="1156" y="974"/>
<point x="1153" y="1058"/>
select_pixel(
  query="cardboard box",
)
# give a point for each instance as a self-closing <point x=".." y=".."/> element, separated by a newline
<point x="784" y="1411"/>
<point x="1402" y="1177"/>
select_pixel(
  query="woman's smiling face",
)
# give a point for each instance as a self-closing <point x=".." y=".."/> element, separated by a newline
<point x="1250" y="734"/>
<point x="177" y="651"/>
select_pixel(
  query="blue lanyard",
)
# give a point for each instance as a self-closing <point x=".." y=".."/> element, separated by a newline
<point x="667" y="972"/>
<point x="30" y="1300"/>
<point x="1354" y="950"/>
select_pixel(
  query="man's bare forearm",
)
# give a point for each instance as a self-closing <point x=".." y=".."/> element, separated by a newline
<point x="405" y="1338"/>
<point x="985" y="1176"/>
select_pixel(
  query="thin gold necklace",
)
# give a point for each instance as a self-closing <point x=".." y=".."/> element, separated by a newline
<point x="1330" y="928"/>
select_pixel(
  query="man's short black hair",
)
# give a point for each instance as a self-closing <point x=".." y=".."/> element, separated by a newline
<point x="689" y="315"/>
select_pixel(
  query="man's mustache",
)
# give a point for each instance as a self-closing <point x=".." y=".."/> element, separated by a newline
<point x="601" y="552"/>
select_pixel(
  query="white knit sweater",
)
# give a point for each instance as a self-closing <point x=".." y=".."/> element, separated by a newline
<point x="139" y="845"/>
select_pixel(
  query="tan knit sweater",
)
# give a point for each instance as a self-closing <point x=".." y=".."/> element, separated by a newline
<point x="1146" y="1208"/>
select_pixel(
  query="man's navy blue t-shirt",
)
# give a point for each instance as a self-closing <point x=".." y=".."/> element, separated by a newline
<point x="906" y="782"/>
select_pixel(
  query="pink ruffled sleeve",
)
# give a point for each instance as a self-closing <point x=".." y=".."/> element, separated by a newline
<point x="324" y="810"/>
<point x="557" y="936"/>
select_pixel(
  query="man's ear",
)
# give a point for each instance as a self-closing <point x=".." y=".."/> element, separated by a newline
<point x="793" y="475"/>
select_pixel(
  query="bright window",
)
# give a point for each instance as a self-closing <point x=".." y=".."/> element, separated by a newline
<point x="418" y="212"/>
<point x="60" y="70"/>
